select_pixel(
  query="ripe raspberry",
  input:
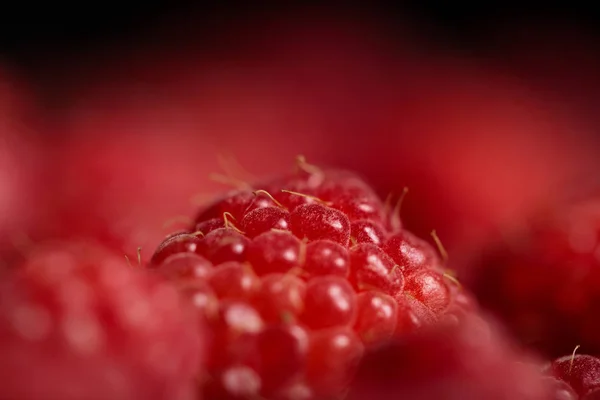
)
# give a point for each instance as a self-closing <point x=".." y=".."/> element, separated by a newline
<point x="545" y="282"/>
<point x="579" y="372"/>
<point x="78" y="323"/>
<point x="308" y="272"/>
<point x="467" y="361"/>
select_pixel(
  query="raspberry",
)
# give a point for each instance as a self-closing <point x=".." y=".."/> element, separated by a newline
<point x="174" y="245"/>
<point x="316" y="221"/>
<point x="580" y="372"/>
<point x="234" y="280"/>
<point x="324" y="257"/>
<point x="202" y="297"/>
<point x="372" y="267"/>
<point x="84" y="324"/>
<point x="412" y="314"/>
<point x="264" y="219"/>
<point x="429" y="288"/>
<point x="376" y="318"/>
<point x="547" y="278"/>
<point x="185" y="265"/>
<point x="366" y="231"/>
<point x="467" y="361"/>
<point x="329" y="301"/>
<point x="281" y="296"/>
<point x="307" y="274"/>
<point x="274" y="251"/>
<point x="332" y="357"/>
<point x="224" y="244"/>
<point x="410" y="251"/>
<point x="210" y="225"/>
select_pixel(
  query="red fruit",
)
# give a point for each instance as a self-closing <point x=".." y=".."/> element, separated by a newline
<point x="412" y="314"/>
<point x="430" y="288"/>
<point x="87" y="325"/>
<point x="273" y="342"/>
<point x="274" y="251"/>
<point x="280" y="284"/>
<point x="174" y="245"/>
<point x="184" y="266"/>
<point x="295" y="391"/>
<point x="264" y="219"/>
<point x="202" y="297"/>
<point x="294" y="191"/>
<point x="581" y="372"/>
<point x="234" y="280"/>
<point x="281" y="297"/>
<point x="329" y="301"/>
<point x="411" y="252"/>
<point x="324" y="257"/>
<point x="210" y="225"/>
<point x="371" y="267"/>
<point x="377" y="315"/>
<point x="367" y="231"/>
<point x="316" y="221"/>
<point x="469" y="361"/>
<point x="262" y="368"/>
<point x="235" y="382"/>
<point x="546" y="277"/>
<point x="332" y="357"/>
<point x="350" y="195"/>
<point x="233" y="331"/>
<point x="236" y="204"/>
<point x="224" y="244"/>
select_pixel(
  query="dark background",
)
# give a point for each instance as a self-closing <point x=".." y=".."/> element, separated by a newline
<point x="31" y="35"/>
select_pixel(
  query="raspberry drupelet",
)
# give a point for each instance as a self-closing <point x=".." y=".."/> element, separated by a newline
<point x="303" y="273"/>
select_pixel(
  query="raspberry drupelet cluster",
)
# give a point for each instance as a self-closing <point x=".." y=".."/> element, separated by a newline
<point x="297" y="277"/>
<point x="574" y="377"/>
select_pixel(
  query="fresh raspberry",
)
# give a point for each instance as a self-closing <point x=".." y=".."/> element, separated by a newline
<point x="544" y="282"/>
<point x="79" y="323"/>
<point x="467" y="361"/>
<point x="308" y="273"/>
<point x="580" y="372"/>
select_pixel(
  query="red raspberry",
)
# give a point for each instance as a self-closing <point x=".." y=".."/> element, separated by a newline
<point x="82" y="324"/>
<point x="580" y="372"/>
<point x="307" y="273"/>
<point x="467" y="361"/>
<point x="544" y="282"/>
